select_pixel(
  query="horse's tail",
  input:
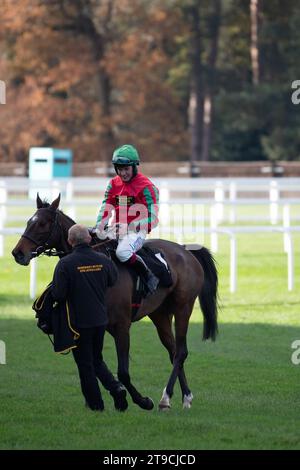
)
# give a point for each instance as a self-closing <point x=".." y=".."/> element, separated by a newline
<point x="208" y="297"/>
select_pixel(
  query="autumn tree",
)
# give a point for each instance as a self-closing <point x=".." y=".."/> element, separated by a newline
<point x="180" y="79"/>
<point x="89" y="75"/>
<point x="200" y="49"/>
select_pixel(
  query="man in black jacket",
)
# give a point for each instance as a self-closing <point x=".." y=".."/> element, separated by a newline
<point x="83" y="278"/>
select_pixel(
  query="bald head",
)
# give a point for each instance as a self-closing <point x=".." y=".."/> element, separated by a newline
<point x="78" y="234"/>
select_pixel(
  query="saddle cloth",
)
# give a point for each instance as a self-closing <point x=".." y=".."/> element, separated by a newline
<point x="156" y="261"/>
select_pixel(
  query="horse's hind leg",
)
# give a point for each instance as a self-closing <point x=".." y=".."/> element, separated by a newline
<point x="122" y="341"/>
<point x="163" y="323"/>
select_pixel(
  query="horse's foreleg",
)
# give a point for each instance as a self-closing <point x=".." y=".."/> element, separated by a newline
<point x="122" y="341"/>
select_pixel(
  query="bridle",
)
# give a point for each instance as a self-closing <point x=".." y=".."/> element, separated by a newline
<point x="44" y="248"/>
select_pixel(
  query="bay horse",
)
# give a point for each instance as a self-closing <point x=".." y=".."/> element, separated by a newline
<point x="194" y="274"/>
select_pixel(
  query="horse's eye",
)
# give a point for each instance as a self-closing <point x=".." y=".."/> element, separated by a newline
<point x="32" y="220"/>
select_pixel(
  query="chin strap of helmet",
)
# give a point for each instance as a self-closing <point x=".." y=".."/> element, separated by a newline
<point x="135" y="170"/>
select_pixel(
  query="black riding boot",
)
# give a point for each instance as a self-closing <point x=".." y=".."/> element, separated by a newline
<point x="142" y="269"/>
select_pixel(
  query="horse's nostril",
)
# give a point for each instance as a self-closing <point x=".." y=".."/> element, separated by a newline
<point x="18" y="255"/>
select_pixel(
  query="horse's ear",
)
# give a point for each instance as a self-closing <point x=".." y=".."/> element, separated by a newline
<point x="39" y="202"/>
<point x="54" y="205"/>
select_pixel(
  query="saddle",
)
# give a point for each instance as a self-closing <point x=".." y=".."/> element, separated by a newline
<point x="156" y="262"/>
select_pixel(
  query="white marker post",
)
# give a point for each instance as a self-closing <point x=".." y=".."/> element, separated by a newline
<point x="286" y="225"/>
<point x="33" y="272"/>
<point x="2" y="92"/>
<point x="2" y="353"/>
<point x="290" y="260"/>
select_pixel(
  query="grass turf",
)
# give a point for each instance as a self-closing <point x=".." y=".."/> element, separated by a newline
<point x="245" y="386"/>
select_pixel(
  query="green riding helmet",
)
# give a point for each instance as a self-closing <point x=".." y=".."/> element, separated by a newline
<point x="126" y="155"/>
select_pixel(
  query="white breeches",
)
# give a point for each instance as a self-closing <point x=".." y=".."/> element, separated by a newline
<point x="130" y="244"/>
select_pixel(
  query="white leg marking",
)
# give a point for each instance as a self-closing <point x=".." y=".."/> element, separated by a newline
<point x="187" y="401"/>
<point x="164" y="403"/>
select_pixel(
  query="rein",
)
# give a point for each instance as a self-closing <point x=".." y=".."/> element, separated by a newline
<point x="105" y="242"/>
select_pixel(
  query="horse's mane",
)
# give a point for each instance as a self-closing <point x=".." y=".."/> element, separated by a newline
<point x="45" y="204"/>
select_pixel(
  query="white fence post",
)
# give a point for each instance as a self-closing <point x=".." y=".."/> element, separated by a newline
<point x="55" y="189"/>
<point x="290" y="260"/>
<point x="286" y="225"/>
<point x="164" y="208"/>
<point x="33" y="272"/>
<point x="274" y="196"/>
<point x="232" y="197"/>
<point x="233" y="263"/>
<point x="213" y="226"/>
<point x="3" y="199"/>
<point x="71" y="211"/>
<point x="219" y="198"/>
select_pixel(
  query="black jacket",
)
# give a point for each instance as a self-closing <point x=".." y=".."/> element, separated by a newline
<point x="83" y="277"/>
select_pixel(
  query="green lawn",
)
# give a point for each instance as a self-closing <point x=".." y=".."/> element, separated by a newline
<point x="245" y="386"/>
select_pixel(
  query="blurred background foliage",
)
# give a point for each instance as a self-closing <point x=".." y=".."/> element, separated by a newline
<point x="199" y="80"/>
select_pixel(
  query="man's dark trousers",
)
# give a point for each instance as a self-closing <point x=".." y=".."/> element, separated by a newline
<point x="88" y="357"/>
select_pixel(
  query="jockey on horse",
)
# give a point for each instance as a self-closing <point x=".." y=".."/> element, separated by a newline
<point x="134" y="200"/>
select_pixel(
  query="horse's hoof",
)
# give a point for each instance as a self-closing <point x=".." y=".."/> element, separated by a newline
<point x="163" y="407"/>
<point x="146" y="403"/>
<point x="186" y="406"/>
